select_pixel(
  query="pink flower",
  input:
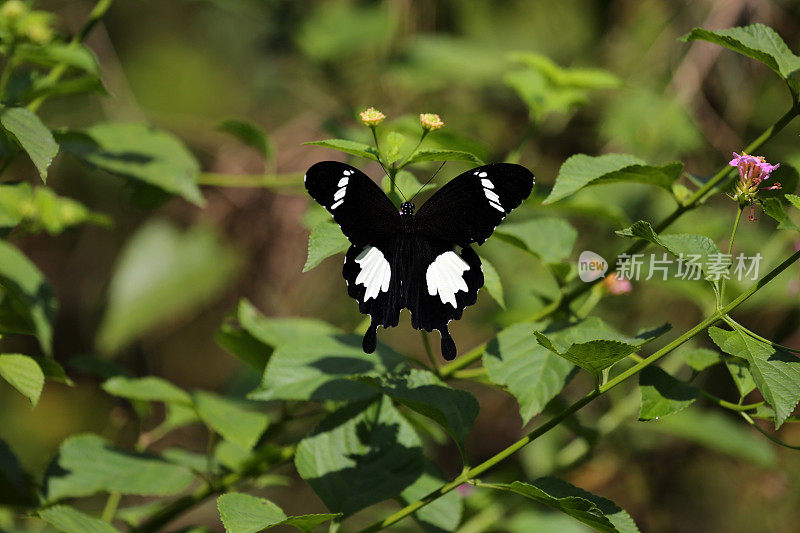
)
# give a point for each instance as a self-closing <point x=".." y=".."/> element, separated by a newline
<point x="372" y="117"/>
<point x="616" y="285"/>
<point x="753" y="170"/>
<point x="465" y="489"/>
<point x="430" y="121"/>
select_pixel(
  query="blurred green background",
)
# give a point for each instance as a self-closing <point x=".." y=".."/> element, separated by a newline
<point x="301" y="70"/>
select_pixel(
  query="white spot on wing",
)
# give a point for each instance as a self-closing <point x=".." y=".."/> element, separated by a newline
<point x="375" y="274"/>
<point x="337" y="204"/>
<point x="347" y="172"/>
<point x="343" y="182"/>
<point x="492" y="196"/>
<point x="445" y="277"/>
<point x="340" y="194"/>
<point x="482" y="175"/>
<point x="487" y="183"/>
<point x="497" y="206"/>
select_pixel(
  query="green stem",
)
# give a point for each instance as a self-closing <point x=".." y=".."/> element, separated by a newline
<point x="770" y="437"/>
<point x="98" y="11"/>
<point x="429" y="351"/>
<point x="467" y="359"/>
<point x="110" y="509"/>
<point x="721" y="296"/>
<point x="8" y="69"/>
<point x="404" y="162"/>
<point x="579" y="404"/>
<point x="729" y="405"/>
<point x="756" y="336"/>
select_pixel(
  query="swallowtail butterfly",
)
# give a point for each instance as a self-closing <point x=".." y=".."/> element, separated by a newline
<point x="422" y="261"/>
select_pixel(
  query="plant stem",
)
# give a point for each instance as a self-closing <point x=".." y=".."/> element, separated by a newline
<point x="579" y="404"/>
<point x="429" y="351"/>
<point x="98" y="11"/>
<point x="8" y="69"/>
<point x="721" y="297"/>
<point x="110" y="508"/>
<point x="467" y="359"/>
<point x="404" y="162"/>
<point x="729" y="405"/>
<point x="770" y="437"/>
<point x="756" y="336"/>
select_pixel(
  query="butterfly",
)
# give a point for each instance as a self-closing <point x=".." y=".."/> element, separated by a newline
<point x="422" y="261"/>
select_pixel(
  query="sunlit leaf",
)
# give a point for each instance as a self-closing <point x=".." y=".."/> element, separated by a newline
<point x="662" y="394"/>
<point x="349" y="147"/>
<point x="148" y="389"/>
<point x="24" y="374"/>
<point x="71" y="520"/>
<point x="326" y="239"/>
<point x="235" y="423"/>
<point x="40" y="208"/>
<point x="32" y="135"/>
<point x="550" y="239"/>
<point x="242" y="513"/>
<point x="492" y="283"/>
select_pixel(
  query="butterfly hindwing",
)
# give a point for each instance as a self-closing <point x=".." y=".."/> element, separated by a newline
<point x="356" y="202"/>
<point x="470" y="206"/>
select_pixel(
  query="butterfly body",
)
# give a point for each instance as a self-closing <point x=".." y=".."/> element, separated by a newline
<point x="420" y="260"/>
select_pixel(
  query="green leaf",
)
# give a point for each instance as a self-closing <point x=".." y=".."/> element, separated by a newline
<point x="16" y="487"/>
<point x="582" y="170"/>
<point x="794" y="199"/>
<point x="435" y="154"/>
<point x="140" y="153"/>
<point x="73" y="55"/>
<point x="31" y="135"/>
<point x="550" y="239"/>
<point x="393" y="143"/>
<point x="492" y="283"/>
<point x="756" y="41"/>
<point x="326" y="239"/>
<point x="405" y="182"/>
<point x="531" y="520"/>
<point x="146" y="389"/>
<point x="716" y="432"/>
<point x="163" y="273"/>
<point x="774" y="208"/>
<point x="87" y="464"/>
<point x="442" y="514"/>
<point x="40" y="208"/>
<point x="700" y="358"/>
<point x="24" y="374"/>
<point x="318" y="368"/>
<point x="52" y="370"/>
<point x="683" y="245"/>
<point x="242" y="513"/>
<point x="530" y="372"/>
<point x="662" y="394"/>
<point x="740" y="373"/>
<point x="71" y="520"/>
<point x="595" y="511"/>
<point x="777" y="373"/>
<point x="593" y="345"/>
<point x="230" y="419"/>
<point x="421" y="391"/>
<point x="360" y="455"/>
<point x="248" y="133"/>
<point x="27" y="304"/>
<point x="350" y="147"/>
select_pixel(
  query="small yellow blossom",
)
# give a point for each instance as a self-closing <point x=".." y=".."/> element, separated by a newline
<point x="430" y="121"/>
<point x="372" y="117"/>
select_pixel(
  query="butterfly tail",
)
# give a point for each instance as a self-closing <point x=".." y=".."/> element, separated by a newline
<point x="371" y="338"/>
<point x="448" y="345"/>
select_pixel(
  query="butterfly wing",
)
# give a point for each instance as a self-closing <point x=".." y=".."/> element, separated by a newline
<point x="356" y="202"/>
<point x="443" y="280"/>
<point x="470" y="206"/>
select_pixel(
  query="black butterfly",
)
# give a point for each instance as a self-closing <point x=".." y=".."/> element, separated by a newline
<point x="420" y="261"/>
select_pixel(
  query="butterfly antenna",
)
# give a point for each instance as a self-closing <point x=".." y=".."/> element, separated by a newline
<point x="429" y="180"/>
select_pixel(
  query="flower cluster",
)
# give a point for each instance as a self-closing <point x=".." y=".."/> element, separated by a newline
<point x="430" y="121"/>
<point x="753" y="171"/>
<point x="19" y="23"/>
<point x="372" y="117"/>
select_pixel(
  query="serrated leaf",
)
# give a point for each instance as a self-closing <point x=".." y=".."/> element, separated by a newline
<point x="662" y="394"/>
<point x="349" y="147"/>
<point x="71" y="520"/>
<point x="362" y="454"/>
<point x="550" y="239"/>
<point x="40" y="208"/>
<point x="740" y="374"/>
<point x="147" y="389"/>
<point x="242" y="513"/>
<point x="582" y="170"/>
<point x="530" y="372"/>
<point x="326" y="239"/>
<point x="776" y="373"/>
<point x="163" y="273"/>
<point x="593" y="345"/>
<point x="248" y="133"/>
<point x="420" y="390"/>
<point x="756" y="41"/>
<point x="595" y="511"/>
<point x="319" y="368"/>
<point x="435" y="154"/>
<point x="794" y="199"/>
<point x="492" y="283"/>
<point x="27" y="303"/>
<point x="442" y="514"/>
<point x="32" y="136"/>
<point x="683" y="245"/>
<point x="86" y="464"/>
<point x="773" y="208"/>
<point x="138" y="152"/>
<point x="716" y="432"/>
<point x="230" y="419"/>
<point x="700" y="358"/>
<point x="24" y="374"/>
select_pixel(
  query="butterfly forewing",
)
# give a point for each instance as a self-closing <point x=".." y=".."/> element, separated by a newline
<point x="470" y="206"/>
<point x="356" y="202"/>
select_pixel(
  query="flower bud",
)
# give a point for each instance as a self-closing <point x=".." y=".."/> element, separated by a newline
<point x="372" y="117"/>
<point x="430" y="121"/>
<point x="12" y="10"/>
